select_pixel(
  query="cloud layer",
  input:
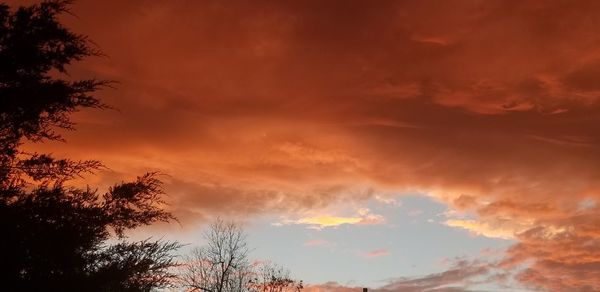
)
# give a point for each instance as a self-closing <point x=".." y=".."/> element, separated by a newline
<point x="491" y="106"/>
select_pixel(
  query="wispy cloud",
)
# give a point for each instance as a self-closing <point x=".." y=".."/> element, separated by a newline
<point x="316" y="242"/>
<point x="484" y="228"/>
<point x="363" y="217"/>
<point x="460" y="277"/>
<point x="388" y="200"/>
<point x="457" y="278"/>
<point x="377" y="253"/>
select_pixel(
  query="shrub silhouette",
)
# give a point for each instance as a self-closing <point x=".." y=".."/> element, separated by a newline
<point x="57" y="237"/>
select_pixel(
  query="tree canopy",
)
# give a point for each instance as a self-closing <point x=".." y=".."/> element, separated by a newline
<point x="55" y="236"/>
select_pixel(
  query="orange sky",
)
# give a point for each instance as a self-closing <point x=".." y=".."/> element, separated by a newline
<point x="253" y="107"/>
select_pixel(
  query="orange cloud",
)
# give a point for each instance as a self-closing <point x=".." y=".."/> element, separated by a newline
<point x="504" y="231"/>
<point x="490" y="106"/>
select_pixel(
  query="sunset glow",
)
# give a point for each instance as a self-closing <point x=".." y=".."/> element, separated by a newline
<point x="399" y="145"/>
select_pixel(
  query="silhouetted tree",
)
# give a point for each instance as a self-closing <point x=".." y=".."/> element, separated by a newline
<point x="56" y="237"/>
<point x="222" y="264"/>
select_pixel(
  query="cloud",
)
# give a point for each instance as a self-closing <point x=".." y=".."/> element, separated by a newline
<point x="327" y="221"/>
<point x="568" y="247"/>
<point x="284" y="107"/>
<point x="457" y="278"/>
<point x="388" y="201"/>
<point x="364" y="217"/>
<point x="485" y="229"/>
<point x="377" y="253"/>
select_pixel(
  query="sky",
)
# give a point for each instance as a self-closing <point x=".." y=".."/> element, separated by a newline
<point x="395" y="145"/>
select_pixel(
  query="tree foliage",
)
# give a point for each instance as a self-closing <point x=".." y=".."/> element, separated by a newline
<point x="34" y="49"/>
<point x="57" y="237"/>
